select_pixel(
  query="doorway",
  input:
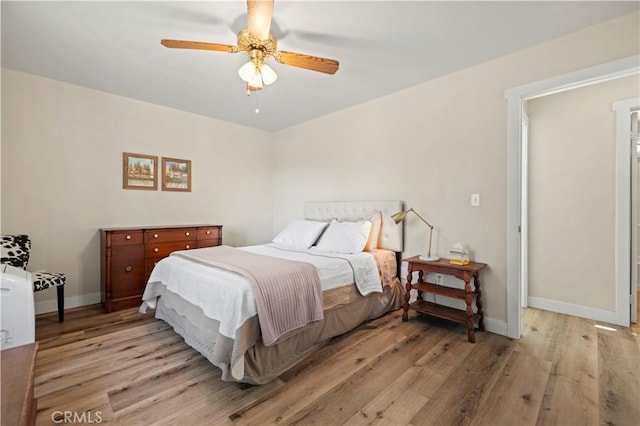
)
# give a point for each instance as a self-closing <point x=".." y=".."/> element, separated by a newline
<point x="515" y="238"/>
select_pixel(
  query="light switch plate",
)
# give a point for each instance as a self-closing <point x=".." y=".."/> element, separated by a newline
<point x="475" y="200"/>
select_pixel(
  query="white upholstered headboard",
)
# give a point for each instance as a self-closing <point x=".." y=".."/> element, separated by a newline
<point x="392" y="234"/>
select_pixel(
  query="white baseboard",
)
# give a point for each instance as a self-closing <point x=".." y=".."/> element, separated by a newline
<point x="574" y="310"/>
<point x="495" y="326"/>
<point x="69" y="302"/>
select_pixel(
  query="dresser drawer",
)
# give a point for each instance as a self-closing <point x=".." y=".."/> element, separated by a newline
<point x="127" y="263"/>
<point x="125" y="238"/>
<point x="149" y="264"/>
<point x="168" y="235"/>
<point x="164" y="249"/>
<point x="208" y="233"/>
<point x="127" y="288"/>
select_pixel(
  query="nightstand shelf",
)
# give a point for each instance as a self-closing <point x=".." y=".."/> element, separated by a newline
<point x="439" y="311"/>
<point x="455" y="293"/>
<point x="468" y="273"/>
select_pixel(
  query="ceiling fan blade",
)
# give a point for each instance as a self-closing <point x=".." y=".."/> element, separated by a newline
<point x="313" y="63"/>
<point x="199" y="45"/>
<point x="259" y="18"/>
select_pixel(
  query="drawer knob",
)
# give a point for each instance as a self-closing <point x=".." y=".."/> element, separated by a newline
<point x="208" y="232"/>
<point x="155" y="250"/>
<point x="188" y="246"/>
<point x="186" y="234"/>
<point x="155" y="235"/>
<point x="128" y="237"/>
<point x="128" y="268"/>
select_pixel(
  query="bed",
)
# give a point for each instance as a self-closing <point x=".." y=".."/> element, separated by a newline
<point x="217" y="309"/>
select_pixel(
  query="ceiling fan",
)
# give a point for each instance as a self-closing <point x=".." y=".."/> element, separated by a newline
<point x="259" y="43"/>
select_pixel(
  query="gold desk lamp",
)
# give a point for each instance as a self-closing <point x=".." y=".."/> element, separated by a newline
<point x="400" y="216"/>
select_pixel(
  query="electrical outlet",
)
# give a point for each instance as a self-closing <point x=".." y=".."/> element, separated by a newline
<point x="438" y="279"/>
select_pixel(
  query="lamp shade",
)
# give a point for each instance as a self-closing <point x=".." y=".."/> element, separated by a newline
<point x="248" y="72"/>
<point x="398" y="217"/>
<point x="268" y="74"/>
<point x="256" y="81"/>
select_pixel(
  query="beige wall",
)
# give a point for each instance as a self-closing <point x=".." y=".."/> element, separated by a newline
<point x="433" y="146"/>
<point x="572" y="194"/>
<point x="62" y="151"/>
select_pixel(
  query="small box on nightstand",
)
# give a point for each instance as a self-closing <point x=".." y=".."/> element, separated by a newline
<point x="459" y="256"/>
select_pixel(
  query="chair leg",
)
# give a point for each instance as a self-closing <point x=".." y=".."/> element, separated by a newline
<point x="60" y="290"/>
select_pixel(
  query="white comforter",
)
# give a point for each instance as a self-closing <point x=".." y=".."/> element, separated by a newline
<point x="228" y="298"/>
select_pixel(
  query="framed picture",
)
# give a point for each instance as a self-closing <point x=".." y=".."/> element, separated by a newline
<point x="139" y="171"/>
<point x="176" y="174"/>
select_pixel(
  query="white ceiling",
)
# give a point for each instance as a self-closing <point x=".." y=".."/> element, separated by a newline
<point x="382" y="47"/>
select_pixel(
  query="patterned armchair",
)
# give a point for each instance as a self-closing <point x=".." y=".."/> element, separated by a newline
<point x="15" y="252"/>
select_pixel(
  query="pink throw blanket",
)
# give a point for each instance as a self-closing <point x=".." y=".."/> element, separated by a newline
<point x="288" y="293"/>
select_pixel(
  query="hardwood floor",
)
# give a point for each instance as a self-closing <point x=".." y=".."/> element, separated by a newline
<point x="125" y="368"/>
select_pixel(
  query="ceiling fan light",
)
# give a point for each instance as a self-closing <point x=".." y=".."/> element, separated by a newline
<point x="256" y="82"/>
<point x="248" y="72"/>
<point x="268" y="74"/>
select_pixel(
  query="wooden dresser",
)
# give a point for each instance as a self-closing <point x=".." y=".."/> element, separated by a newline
<point x="18" y="403"/>
<point x="128" y="256"/>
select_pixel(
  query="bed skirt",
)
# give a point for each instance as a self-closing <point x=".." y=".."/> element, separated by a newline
<point x="245" y="358"/>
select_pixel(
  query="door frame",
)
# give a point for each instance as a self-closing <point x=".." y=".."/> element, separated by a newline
<point x="524" y="219"/>
<point x="626" y="168"/>
<point x="515" y="97"/>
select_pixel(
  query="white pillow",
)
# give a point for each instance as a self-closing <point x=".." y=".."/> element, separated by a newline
<point x="345" y="237"/>
<point x="300" y="233"/>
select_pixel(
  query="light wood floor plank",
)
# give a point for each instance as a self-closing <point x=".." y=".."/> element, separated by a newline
<point x="541" y="337"/>
<point x="134" y="370"/>
<point x="576" y="358"/>
<point x="517" y="393"/>
<point x="355" y="391"/>
<point x="404" y="397"/>
<point x="215" y="410"/>
<point x="79" y="345"/>
<point x="619" y="368"/>
<point x="400" y="401"/>
<point x="58" y="380"/>
<point x="432" y="370"/>
<point x="567" y="403"/>
<point x="574" y="375"/>
<point x="164" y="407"/>
<point x="458" y="400"/>
<point x="339" y="343"/>
<point x="311" y="384"/>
